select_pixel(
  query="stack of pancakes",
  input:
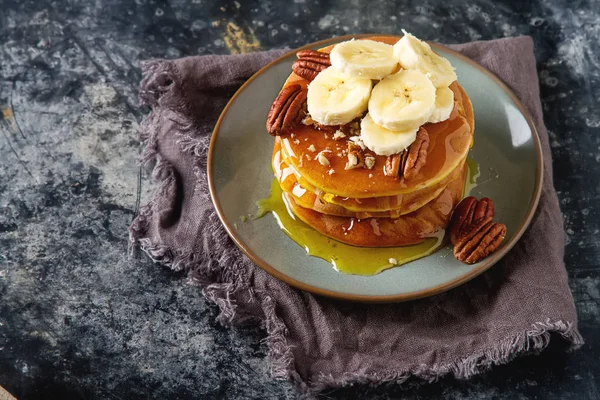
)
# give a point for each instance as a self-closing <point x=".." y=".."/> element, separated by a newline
<point x="367" y="207"/>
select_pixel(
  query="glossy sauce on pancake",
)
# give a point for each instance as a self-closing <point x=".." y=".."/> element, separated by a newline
<point x="389" y="206"/>
<point x="449" y="144"/>
<point x="307" y="199"/>
<point x="386" y="232"/>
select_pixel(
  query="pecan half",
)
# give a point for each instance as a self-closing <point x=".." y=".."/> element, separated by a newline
<point x="392" y="165"/>
<point x="287" y="110"/>
<point x="468" y="212"/>
<point x="416" y="155"/>
<point x="310" y="63"/>
<point x="314" y="55"/>
<point x="408" y="163"/>
<point x="479" y="241"/>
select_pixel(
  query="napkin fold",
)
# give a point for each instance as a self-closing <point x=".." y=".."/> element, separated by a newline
<point x="516" y="307"/>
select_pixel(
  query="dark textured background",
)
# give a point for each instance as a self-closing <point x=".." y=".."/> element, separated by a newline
<point x="81" y="319"/>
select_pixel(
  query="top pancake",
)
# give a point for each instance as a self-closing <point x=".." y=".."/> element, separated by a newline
<point x="450" y="142"/>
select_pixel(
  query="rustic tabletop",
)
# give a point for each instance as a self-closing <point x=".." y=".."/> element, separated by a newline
<point x="79" y="318"/>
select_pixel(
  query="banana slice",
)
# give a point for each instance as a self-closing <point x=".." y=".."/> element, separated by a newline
<point x="444" y="104"/>
<point x="416" y="54"/>
<point x="364" y="58"/>
<point x="402" y="101"/>
<point x="335" y="98"/>
<point x="383" y="141"/>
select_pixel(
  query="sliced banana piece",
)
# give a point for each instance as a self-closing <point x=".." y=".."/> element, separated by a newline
<point x="402" y="101"/>
<point x="383" y="141"/>
<point x="444" y="104"/>
<point x="336" y="98"/>
<point x="416" y="54"/>
<point x="364" y="58"/>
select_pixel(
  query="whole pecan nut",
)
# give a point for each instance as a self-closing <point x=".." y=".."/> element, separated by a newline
<point x="468" y="212"/>
<point x="479" y="241"/>
<point x="310" y="63"/>
<point x="408" y="163"/>
<point x="287" y="110"/>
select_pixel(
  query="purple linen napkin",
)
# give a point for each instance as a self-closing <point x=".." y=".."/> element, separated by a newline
<point x="317" y="342"/>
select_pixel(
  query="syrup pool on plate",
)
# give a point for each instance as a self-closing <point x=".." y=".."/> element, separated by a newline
<point x="345" y="258"/>
<point x="473" y="174"/>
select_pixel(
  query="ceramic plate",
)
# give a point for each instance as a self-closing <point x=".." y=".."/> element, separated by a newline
<point x="506" y="148"/>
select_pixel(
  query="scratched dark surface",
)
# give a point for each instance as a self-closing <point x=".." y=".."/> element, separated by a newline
<point x="79" y="319"/>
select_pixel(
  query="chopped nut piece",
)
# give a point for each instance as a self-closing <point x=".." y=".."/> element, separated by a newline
<point x="353" y="147"/>
<point x="322" y="158"/>
<point x="338" y="135"/>
<point x="296" y="141"/>
<point x="369" y="162"/>
<point x="354" y="128"/>
<point x="331" y="172"/>
<point x="370" y="175"/>
<point x="308" y="120"/>
<point x="355" y="160"/>
<point x="355" y="155"/>
<point x="357" y="140"/>
<point x="352" y="161"/>
<point x="312" y="148"/>
<point x="393" y="261"/>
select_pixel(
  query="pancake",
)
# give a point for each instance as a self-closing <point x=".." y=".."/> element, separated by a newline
<point x="390" y="206"/>
<point x="409" y="229"/>
<point x="450" y="142"/>
<point x="401" y="203"/>
<point x="308" y="199"/>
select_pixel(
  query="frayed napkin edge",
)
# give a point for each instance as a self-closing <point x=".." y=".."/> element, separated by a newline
<point x="530" y="341"/>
